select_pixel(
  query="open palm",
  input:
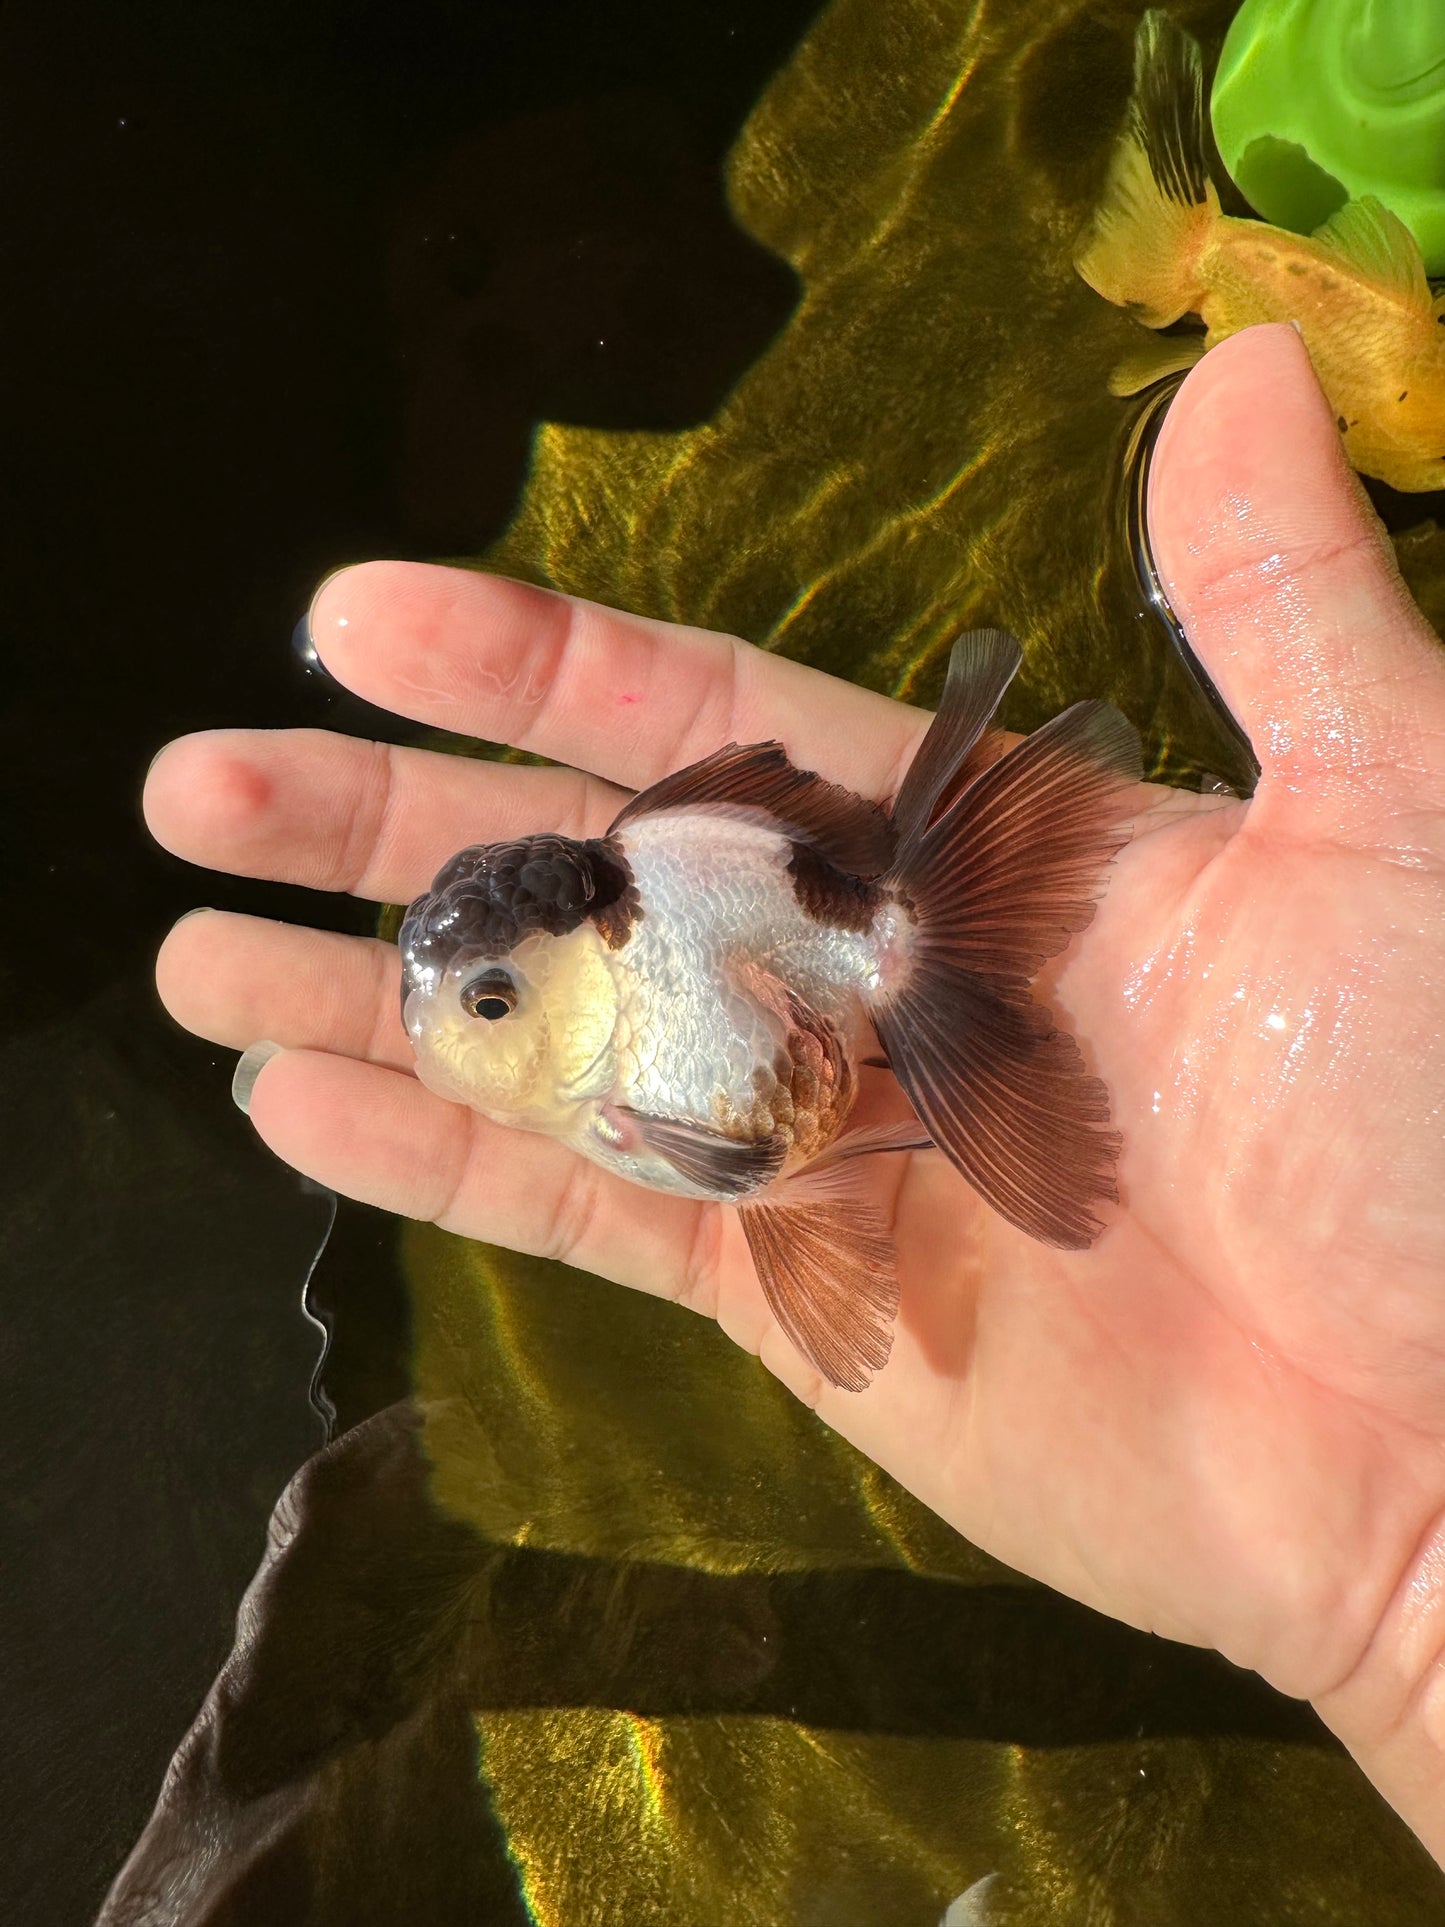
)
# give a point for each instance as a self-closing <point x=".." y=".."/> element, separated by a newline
<point x="1226" y="1421"/>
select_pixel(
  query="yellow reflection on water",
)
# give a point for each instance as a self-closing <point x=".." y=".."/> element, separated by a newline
<point x="928" y="444"/>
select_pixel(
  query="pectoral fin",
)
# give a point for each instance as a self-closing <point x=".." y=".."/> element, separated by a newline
<point x="724" y="1167"/>
<point x="1155" y="360"/>
<point x="829" y="1273"/>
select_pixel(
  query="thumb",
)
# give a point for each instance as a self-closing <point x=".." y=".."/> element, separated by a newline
<point x="1287" y="588"/>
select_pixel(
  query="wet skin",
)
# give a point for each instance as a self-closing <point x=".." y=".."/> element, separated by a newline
<point x="1225" y="1422"/>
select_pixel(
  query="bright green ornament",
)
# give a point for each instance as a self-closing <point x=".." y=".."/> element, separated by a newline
<point x="1318" y="101"/>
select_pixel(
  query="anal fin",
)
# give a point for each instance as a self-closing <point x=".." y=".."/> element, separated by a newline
<point x="864" y="1141"/>
<point x="829" y="1272"/>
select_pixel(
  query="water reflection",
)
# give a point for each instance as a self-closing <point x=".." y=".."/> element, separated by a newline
<point x="153" y="1359"/>
<point x="597" y="1624"/>
<point x="1132" y="498"/>
<point x="320" y="1318"/>
<point x="211" y="414"/>
<point x="386" y="1650"/>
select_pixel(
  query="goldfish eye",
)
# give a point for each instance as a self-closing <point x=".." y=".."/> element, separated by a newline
<point x="492" y="995"/>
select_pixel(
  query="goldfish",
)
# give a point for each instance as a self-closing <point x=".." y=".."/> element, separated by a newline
<point x="1356" y="288"/>
<point x="688" y="999"/>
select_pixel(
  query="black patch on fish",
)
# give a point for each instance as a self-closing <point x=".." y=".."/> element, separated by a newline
<point x="830" y="895"/>
<point x="488" y="898"/>
<point x="614" y="919"/>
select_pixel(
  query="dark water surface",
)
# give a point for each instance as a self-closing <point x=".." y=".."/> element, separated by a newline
<point x="240" y="263"/>
<point x="580" y="1620"/>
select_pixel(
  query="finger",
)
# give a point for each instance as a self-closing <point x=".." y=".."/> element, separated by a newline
<point x="382" y="1138"/>
<point x="629" y="698"/>
<point x="335" y="813"/>
<point x="232" y="979"/>
<point x="1284" y="581"/>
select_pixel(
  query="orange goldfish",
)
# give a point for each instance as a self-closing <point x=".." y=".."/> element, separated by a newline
<point x="1356" y="288"/>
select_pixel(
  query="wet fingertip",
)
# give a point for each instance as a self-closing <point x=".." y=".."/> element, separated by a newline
<point x="252" y="1062"/>
<point x="305" y="652"/>
<point x="175" y="961"/>
<point x="319" y="624"/>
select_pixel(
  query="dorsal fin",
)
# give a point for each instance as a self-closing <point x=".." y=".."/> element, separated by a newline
<point x="747" y="778"/>
<point x="1367" y="236"/>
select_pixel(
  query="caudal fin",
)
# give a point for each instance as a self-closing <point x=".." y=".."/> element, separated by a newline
<point x="1143" y="250"/>
<point x="1000" y="860"/>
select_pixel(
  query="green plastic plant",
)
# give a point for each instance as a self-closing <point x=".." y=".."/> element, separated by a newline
<point x="1316" y="101"/>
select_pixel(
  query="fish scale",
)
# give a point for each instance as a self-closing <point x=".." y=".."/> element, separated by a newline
<point x="714" y="892"/>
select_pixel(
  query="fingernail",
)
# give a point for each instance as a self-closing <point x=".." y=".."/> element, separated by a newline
<point x="303" y="636"/>
<point x="250" y="1067"/>
<point x="201" y="910"/>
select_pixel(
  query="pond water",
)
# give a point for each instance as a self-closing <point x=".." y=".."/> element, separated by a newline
<point x="760" y="316"/>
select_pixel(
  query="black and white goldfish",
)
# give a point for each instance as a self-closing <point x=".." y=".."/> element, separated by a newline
<point x="1356" y="288"/>
<point x="686" y="1000"/>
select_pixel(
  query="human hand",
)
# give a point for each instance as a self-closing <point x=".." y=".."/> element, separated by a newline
<point x="1226" y="1421"/>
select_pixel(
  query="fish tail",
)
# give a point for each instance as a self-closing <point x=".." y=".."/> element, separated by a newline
<point x="1000" y="859"/>
<point x="1143" y="250"/>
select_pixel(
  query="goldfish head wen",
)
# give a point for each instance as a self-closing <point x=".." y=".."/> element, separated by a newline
<point x="508" y="994"/>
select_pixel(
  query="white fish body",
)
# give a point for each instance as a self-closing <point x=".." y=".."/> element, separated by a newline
<point x="697" y="1039"/>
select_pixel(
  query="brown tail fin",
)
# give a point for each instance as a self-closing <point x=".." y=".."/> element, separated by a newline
<point x="998" y="882"/>
<point x="1143" y="250"/>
